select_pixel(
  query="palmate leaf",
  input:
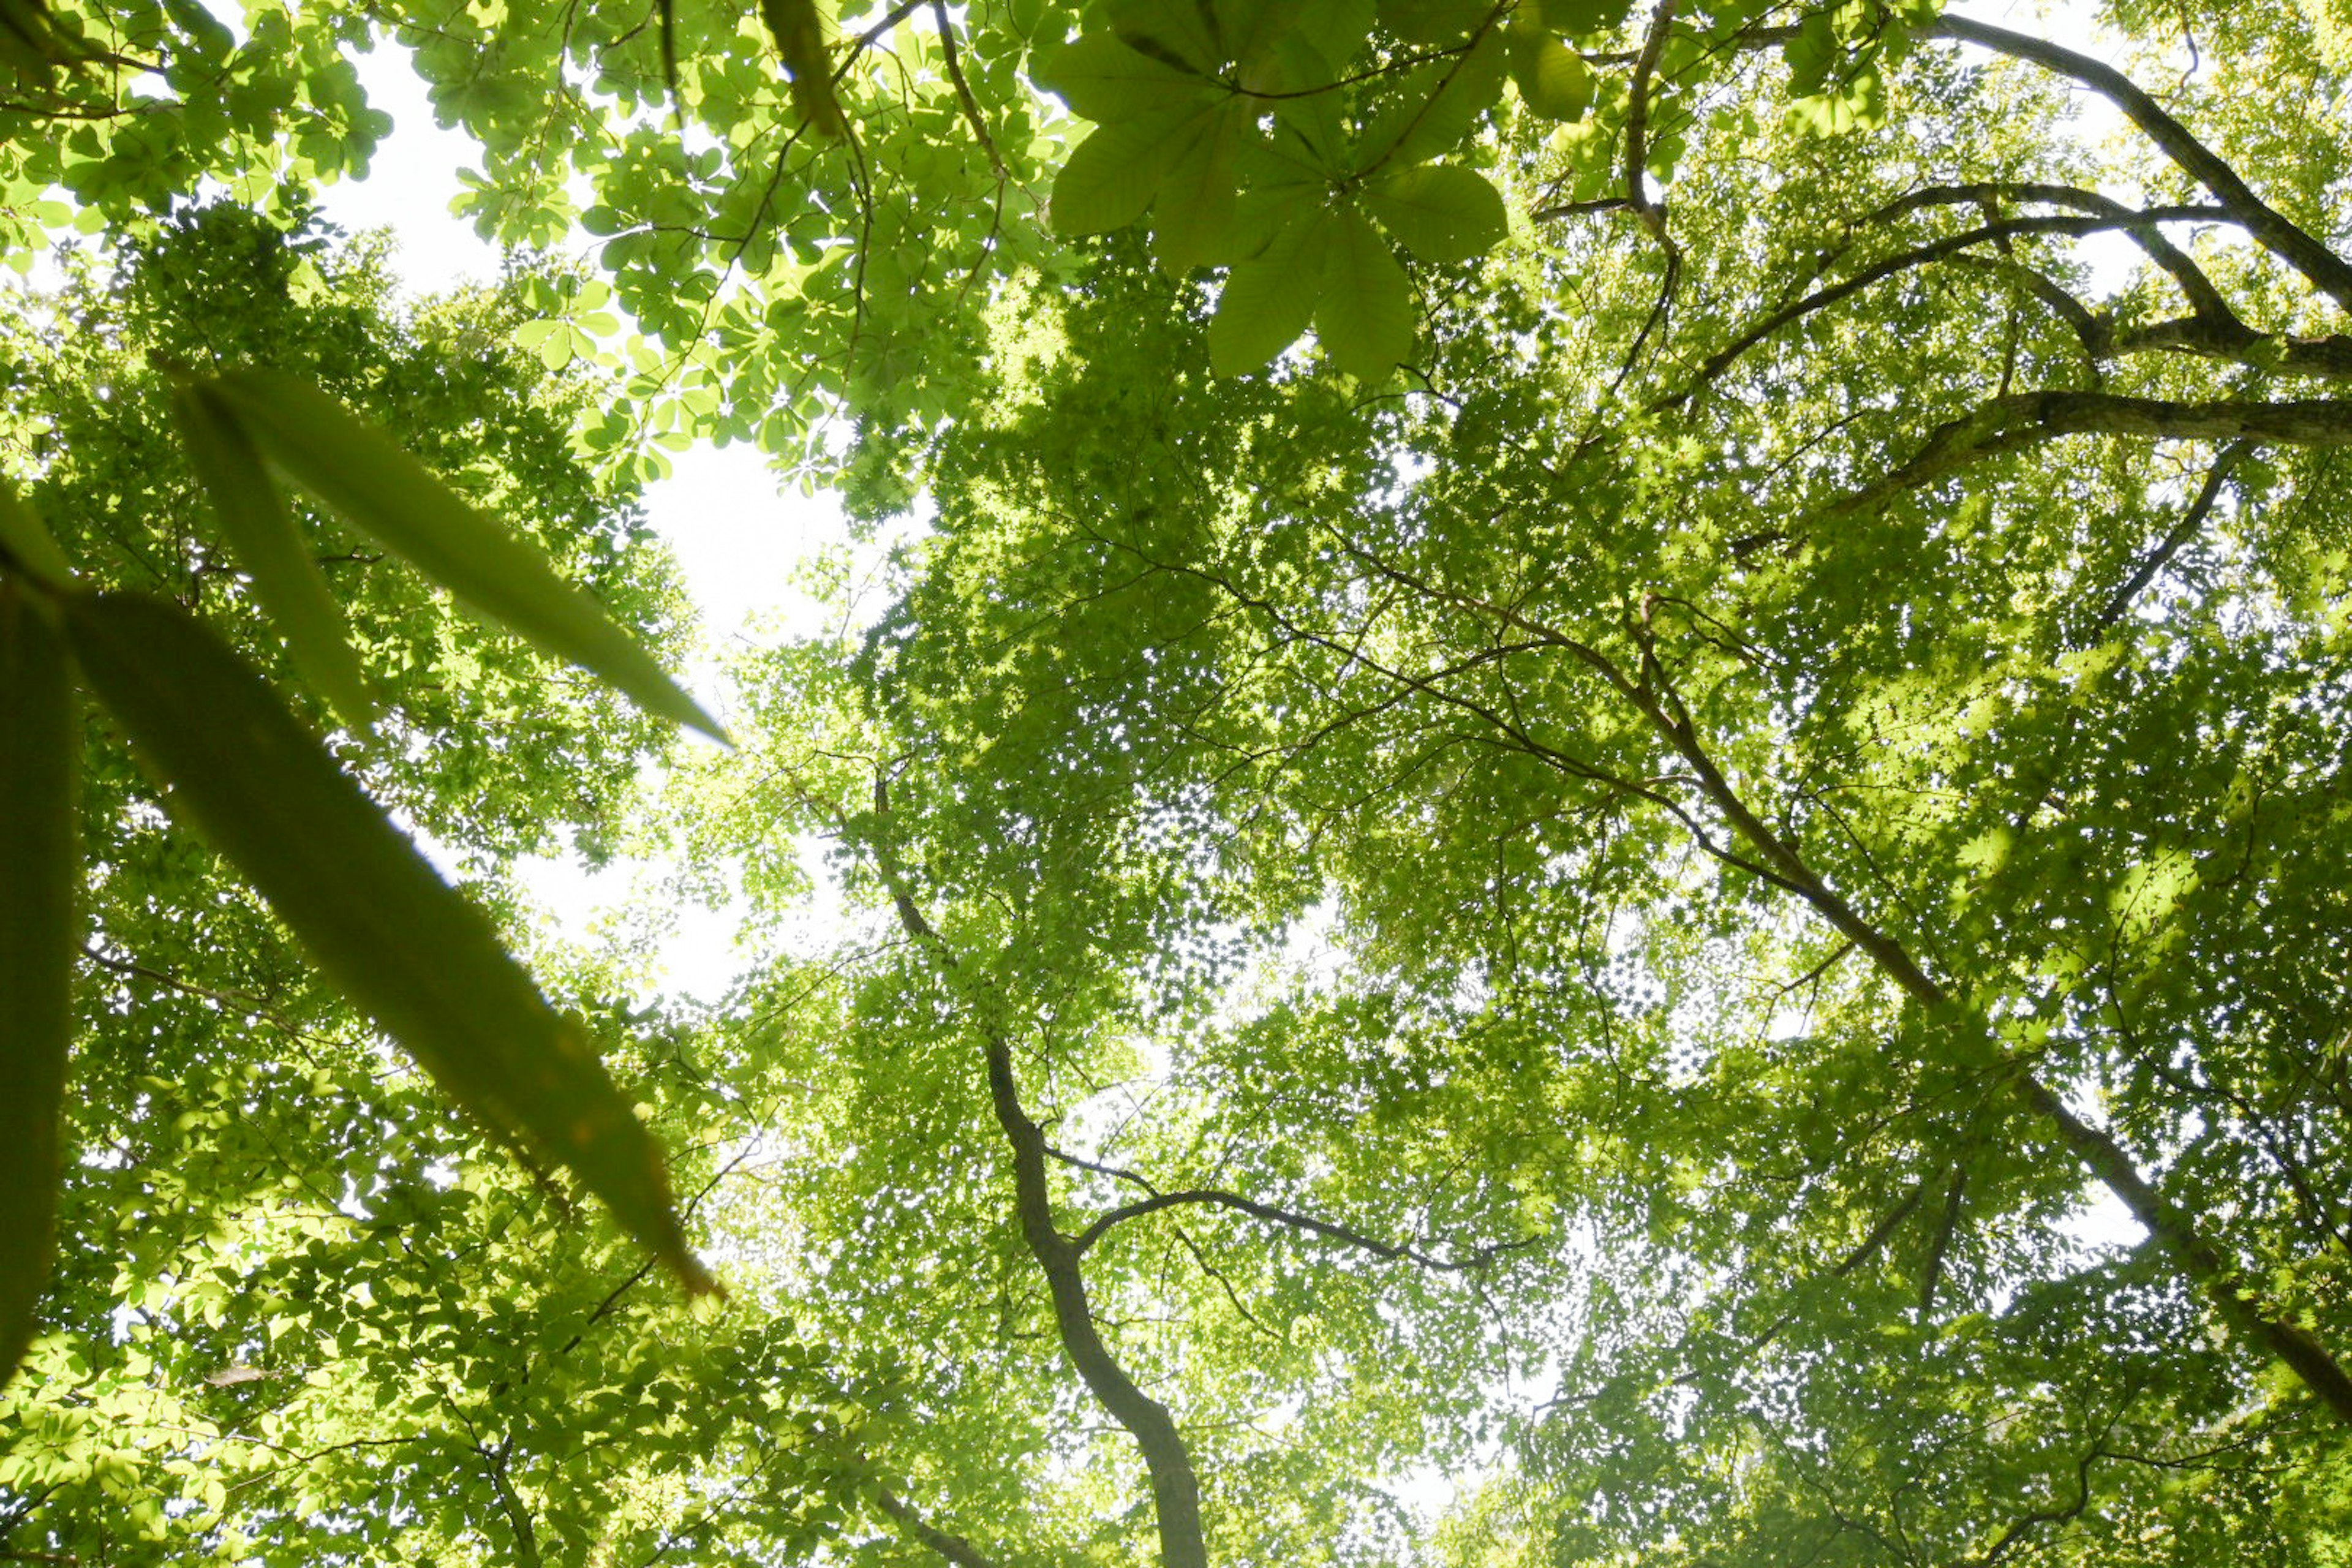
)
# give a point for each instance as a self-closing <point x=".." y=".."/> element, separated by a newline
<point x="1365" y="317"/>
<point x="403" y="944"/>
<point x="1114" y="174"/>
<point x="259" y="526"/>
<point x="797" y="28"/>
<point x="365" y="476"/>
<point x="1439" y="211"/>
<point x="38" y="875"/>
<point x="1269" y="299"/>
<point x="1193" y="212"/>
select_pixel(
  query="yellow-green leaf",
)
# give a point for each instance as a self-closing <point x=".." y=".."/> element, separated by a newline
<point x="1439" y="211"/>
<point x="1112" y="176"/>
<point x="798" y="30"/>
<point x="1102" y="79"/>
<point x="1553" y="78"/>
<point x="38" y="877"/>
<point x="1365" y="316"/>
<point x="1269" y="299"/>
<point x="1193" y="215"/>
<point x="359" y="472"/>
<point x="259" y="526"/>
<point x="403" y="944"/>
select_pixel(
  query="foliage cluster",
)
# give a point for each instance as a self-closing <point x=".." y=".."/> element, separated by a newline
<point x="1691" y="873"/>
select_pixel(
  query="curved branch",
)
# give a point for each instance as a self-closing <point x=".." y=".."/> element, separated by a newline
<point x="2029" y="418"/>
<point x="1175" y="1484"/>
<point x="1217" y="1198"/>
<point x="2203" y="298"/>
<point x="2178" y="535"/>
<point x="952" y="1547"/>
<point x="1920" y="255"/>
<point x="2270" y="228"/>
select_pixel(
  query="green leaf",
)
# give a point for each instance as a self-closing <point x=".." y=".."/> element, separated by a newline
<point x="1553" y="78"/>
<point x="1433" y="106"/>
<point x="27" y="542"/>
<point x="1577" y="19"/>
<point x="797" y="28"/>
<point x="1365" y="316"/>
<point x="1269" y="299"/>
<point x="1435" y="21"/>
<point x="1113" y="174"/>
<point x="355" y="468"/>
<point x="1439" y="211"/>
<point x="254" y="517"/>
<point x="1181" y="32"/>
<point x="1103" y="80"/>
<point x="403" y="944"/>
<point x="1193" y="215"/>
<point x="39" y="873"/>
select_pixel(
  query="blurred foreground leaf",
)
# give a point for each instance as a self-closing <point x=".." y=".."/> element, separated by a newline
<point x="38" y="875"/>
<point x="360" y="472"/>
<point x="253" y="514"/>
<point x="400" y="943"/>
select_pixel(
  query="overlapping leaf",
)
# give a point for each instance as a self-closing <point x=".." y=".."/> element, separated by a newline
<point x="254" y="517"/>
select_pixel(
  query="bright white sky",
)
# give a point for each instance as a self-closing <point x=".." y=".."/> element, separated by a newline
<point x="737" y="533"/>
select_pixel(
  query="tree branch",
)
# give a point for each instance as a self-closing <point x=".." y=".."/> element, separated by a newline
<point x="1218" y="1198"/>
<point x="1175" y="1484"/>
<point x="2178" y="535"/>
<point x="2270" y="228"/>
<point x="954" y="1548"/>
<point x="2029" y="418"/>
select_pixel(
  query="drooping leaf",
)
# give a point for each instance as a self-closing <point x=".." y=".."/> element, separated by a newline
<point x="1269" y="299"/>
<point x="1104" y="80"/>
<point x="404" y="945"/>
<point x="1365" y="317"/>
<point x="259" y="527"/>
<point x="357" y="470"/>
<point x="1435" y="21"/>
<point x="1435" y="106"/>
<point x="1181" y="32"/>
<point x="38" y="874"/>
<point x="1439" y="211"/>
<point x="1581" y="17"/>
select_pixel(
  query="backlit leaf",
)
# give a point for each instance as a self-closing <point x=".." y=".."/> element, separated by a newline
<point x="1439" y="211"/>
<point x="1193" y="215"/>
<point x="1553" y="78"/>
<point x="797" y="28"/>
<point x="404" y="945"/>
<point x="1269" y="299"/>
<point x="1103" y="80"/>
<point x="254" y="517"/>
<point x="24" y="538"/>
<point x="1366" y="317"/>
<point x="1113" y="176"/>
<point x="357" y="470"/>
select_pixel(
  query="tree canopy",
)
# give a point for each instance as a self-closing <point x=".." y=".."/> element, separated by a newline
<point x="1597" y="816"/>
